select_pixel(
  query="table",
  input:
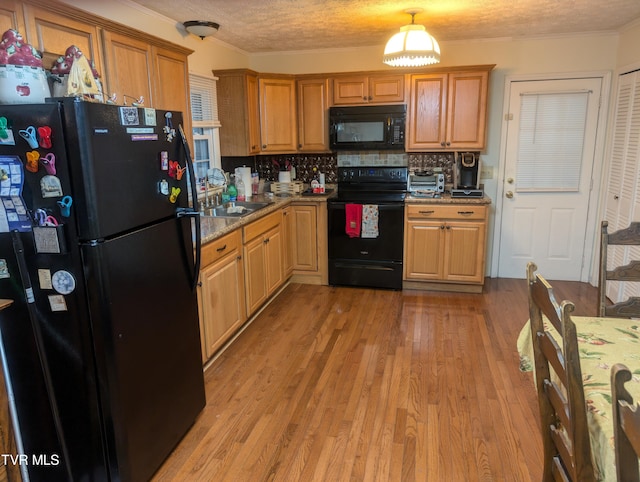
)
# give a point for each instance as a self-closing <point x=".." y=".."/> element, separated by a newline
<point x="602" y="342"/>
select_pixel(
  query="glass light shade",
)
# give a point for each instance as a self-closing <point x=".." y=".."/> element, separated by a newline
<point x="201" y="28"/>
<point x="411" y="47"/>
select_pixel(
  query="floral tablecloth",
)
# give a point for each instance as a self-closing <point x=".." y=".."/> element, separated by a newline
<point x="602" y="342"/>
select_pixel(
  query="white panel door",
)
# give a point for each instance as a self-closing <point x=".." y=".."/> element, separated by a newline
<point x="550" y="146"/>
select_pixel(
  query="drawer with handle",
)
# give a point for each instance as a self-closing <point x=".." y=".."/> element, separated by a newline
<point x="457" y="211"/>
<point x="219" y="248"/>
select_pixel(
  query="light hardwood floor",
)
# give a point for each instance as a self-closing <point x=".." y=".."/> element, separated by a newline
<point x="340" y="384"/>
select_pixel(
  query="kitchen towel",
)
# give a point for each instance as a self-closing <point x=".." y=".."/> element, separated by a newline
<point x="353" y="215"/>
<point x="370" y="221"/>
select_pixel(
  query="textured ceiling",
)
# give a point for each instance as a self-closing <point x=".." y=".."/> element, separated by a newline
<point x="292" y="25"/>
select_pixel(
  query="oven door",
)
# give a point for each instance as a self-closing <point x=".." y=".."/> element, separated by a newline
<point x="371" y="262"/>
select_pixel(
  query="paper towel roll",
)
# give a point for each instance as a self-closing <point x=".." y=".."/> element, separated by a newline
<point x="244" y="173"/>
<point x="284" y="176"/>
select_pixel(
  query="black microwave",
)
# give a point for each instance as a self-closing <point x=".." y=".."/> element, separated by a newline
<point x="367" y="127"/>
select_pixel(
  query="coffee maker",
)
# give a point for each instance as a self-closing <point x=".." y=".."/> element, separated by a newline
<point x="466" y="175"/>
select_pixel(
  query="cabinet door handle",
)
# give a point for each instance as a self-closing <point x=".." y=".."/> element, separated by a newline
<point x="221" y="249"/>
<point x="448" y="227"/>
<point x="426" y="212"/>
<point x="442" y="226"/>
<point x="264" y="146"/>
<point x="239" y="258"/>
<point x="465" y="213"/>
<point x="200" y="284"/>
<point x="442" y="144"/>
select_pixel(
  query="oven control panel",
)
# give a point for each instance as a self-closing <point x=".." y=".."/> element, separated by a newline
<point x="372" y="174"/>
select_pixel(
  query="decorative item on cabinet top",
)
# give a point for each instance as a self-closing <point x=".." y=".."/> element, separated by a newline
<point x="304" y="164"/>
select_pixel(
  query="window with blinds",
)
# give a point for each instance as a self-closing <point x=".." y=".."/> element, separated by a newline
<point x="204" y="116"/>
<point x="552" y="130"/>
<point x="204" y="101"/>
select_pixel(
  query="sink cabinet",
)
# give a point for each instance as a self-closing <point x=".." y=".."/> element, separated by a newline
<point x="263" y="259"/>
<point x="221" y="292"/>
<point x="445" y="244"/>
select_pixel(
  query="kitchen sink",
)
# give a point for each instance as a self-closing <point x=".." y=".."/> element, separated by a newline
<point x="234" y="209"/>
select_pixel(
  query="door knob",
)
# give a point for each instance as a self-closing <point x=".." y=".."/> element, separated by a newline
<point x="510" y="180"/>
<point x="509" y="194"/>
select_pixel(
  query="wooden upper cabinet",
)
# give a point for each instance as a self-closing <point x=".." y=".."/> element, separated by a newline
<point x="238" y="109"/>
<point x="278" y="117"/>
<point x="426" y="122"/>
<point x="368" y="89"/>
<point x="171" y="92"/>
<point x="313" y="109"/>
<point x="11" y="16"/>
<point x="448" y="111"/>
<point x="129" y="64"/>
<point x="467" y="110"/>
<point x="52" y="33"/>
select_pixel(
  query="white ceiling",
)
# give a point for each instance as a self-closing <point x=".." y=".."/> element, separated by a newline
<point x="292" y="25"/>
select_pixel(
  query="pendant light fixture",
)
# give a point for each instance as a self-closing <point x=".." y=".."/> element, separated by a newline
<point x="412" y="46"/>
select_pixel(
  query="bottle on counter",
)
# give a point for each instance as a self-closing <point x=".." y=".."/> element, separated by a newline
<point x="240" y="188"/>
<point x="233" y="192"/>
<point x="255" y="183"/>
<point x="316" y="186"/>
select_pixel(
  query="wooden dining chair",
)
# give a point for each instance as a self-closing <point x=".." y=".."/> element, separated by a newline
<point x="563" y="412"/>
<point x="626" y="426"/>
<point x="629" y="308"/>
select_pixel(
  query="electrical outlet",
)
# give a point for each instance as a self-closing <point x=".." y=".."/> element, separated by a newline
<point x="486" y="172"/>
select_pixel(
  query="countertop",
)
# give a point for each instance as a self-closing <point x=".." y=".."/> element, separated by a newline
<point x="447" y="199"/>
<point x="214" y="227"/>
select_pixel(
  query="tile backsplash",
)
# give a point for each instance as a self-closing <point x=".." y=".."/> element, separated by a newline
<point x="304" y="164"/>
<point x="327" y="163"/>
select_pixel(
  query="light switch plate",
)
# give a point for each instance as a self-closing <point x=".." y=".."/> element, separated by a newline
<point x="486" y="172"/>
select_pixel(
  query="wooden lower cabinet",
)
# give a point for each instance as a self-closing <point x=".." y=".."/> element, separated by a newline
<point x="310" y="243"/>
<point x="288" y="240"/>
<point x="263" y="259"/>
<point x="445" y="244"/>
<point x="221" y="292"/>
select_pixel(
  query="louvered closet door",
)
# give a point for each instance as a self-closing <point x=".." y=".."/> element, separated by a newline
<point x="622" y="205"/>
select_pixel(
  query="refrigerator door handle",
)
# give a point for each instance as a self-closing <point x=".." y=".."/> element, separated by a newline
<point x="194" y="200"/>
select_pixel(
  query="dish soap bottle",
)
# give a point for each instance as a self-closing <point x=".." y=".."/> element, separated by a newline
<point x="233" y="192"/>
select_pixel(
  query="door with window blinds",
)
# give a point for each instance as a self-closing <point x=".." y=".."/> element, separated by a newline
<point x="622" y="200"/>
<point x="550" y="148"/>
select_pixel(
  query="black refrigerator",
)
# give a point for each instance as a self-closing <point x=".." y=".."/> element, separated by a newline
<point x="98" y="250"/>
